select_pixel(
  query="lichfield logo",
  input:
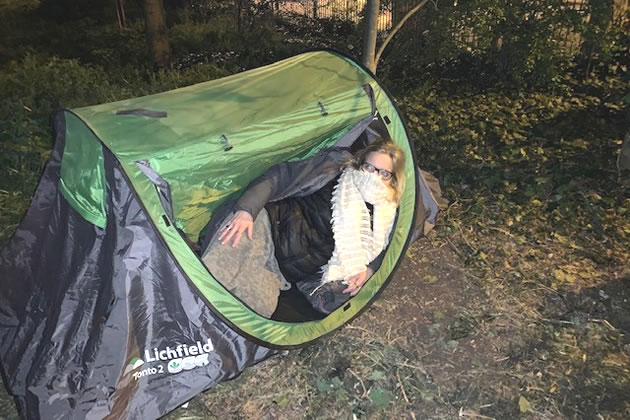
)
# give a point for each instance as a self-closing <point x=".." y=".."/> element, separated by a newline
<point x="134" y="364"/>
<point x="180" y="357"/>
<point x="180" y="352"/>
<point x="175" y="366"/>
<point x="187" y="363"/>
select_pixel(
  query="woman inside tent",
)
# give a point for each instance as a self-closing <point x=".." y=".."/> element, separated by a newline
<point x="322" y="223"/>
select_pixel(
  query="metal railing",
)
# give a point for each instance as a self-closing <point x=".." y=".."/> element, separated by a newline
<point x="348" y="10"/>
<point x="352" y="11"/>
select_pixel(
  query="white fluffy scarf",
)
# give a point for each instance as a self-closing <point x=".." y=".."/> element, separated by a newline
<point x="356" y="243"/>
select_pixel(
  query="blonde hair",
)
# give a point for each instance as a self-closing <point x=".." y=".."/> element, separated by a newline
<point x="388" y="147"/>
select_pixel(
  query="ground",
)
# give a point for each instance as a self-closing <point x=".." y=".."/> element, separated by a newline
<point x="439" y="344"/>
<point x="436" y="346"/>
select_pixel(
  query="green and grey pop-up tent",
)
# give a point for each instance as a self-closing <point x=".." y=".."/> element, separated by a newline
<point x="105" y="310"/>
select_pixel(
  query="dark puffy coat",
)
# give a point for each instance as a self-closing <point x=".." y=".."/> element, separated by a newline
<point x="302" y="233"/>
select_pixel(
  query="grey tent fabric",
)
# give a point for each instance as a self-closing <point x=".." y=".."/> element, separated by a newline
<point x="73" y="350"/>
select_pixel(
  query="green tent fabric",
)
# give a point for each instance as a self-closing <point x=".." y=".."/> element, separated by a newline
<point x="206" y="142"/>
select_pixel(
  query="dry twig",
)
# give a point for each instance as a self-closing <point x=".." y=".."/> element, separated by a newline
<point x="473" y="414"/>
<point x="605" y="322"/>
<point x="402" y="387"/>
<point x="365" y="393"/>
<point x="464" y="272"/>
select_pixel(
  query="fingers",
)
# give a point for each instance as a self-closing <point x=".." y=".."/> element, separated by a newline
<point x="246" y="226"/>
<point x="234" y="229"/>
<point x="228" y="232"/>
<point x="352" y="290"/>
<point x="357" y="284"/>
<point x="354" y="283"/>
<point x="234" y="224"/>
<point x="225" y="230"/>
<point x="237" y="237"/>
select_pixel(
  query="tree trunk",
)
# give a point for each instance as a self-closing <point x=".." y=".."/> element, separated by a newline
<point x="602" y="13"/>
<point x="372" y="9"/>
<point x="371" y="30"/>
<point x="120" y="13"/>
<point x="157" y="37"/>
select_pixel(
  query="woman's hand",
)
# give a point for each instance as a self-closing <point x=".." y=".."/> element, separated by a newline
<point x="241" y="222"/>
<point x="356" y="282"/>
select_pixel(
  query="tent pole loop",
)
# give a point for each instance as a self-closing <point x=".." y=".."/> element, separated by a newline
<point x="322" y="108"/>
<point x="162" y="187"/>
<point x="226" y="143"/>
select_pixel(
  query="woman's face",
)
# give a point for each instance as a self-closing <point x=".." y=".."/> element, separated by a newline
<point x="380" y="161"/>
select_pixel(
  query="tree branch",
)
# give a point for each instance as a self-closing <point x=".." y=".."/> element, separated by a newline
<point x="396" y="29"/>
<point x="372" y="8"/>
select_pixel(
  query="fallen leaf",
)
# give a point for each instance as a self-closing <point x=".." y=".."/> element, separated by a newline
<point x="429" y="278"/>
<point x="282" y="401"/>
<point x="379" y="398"/>
<point x="524" y="405"/>
<point x="559" y="275"/>
<point x="377" y="375"/>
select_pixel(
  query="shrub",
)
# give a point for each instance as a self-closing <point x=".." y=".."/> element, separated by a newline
<point x="31" y="90"/>
<point x="169" y="79"/>
<point x="190" y="37"/>
<point x="36" y="86"/>
<point x="515" y="42"/>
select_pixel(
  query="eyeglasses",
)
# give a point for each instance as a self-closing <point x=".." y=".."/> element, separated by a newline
<point x="384" y="173"/>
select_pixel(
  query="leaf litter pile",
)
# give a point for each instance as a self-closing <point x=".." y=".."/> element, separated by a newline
<point x="516" y="306"/>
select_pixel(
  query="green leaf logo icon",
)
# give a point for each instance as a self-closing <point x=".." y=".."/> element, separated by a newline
<point x="174" y="366"/>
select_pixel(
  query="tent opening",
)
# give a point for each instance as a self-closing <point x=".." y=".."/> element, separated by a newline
<point x="293" y="306"/>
